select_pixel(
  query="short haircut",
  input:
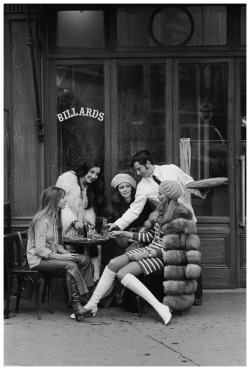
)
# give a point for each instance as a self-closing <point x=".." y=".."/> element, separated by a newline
<point x="142" y="157"/>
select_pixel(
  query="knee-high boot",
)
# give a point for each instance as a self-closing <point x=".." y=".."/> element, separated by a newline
<point x="132" y="283"/>
<point x="102" y="289"/>
<point x="79" y="311"/>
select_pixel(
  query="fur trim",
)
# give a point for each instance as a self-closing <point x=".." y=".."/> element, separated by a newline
<point x="193" y="242"/>
<point x="179" y="302"/>
<point x="68" y="182"/>
<point x="194" y="257"/>
<point x="174" y="272"/>
<point x="182" y="212"/>
<point x="180" y="226"/>
<point x="175" y="257"/>
<point x="175" y="287"/>
<point x="193" y="271"/>
<point x="171" y="242"/>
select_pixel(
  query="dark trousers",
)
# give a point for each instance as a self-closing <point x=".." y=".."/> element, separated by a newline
<point x="198" y="293"/>
<point x="67" y="268"/>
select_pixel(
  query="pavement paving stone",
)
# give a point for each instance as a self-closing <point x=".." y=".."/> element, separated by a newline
<point x="213" y="334"/>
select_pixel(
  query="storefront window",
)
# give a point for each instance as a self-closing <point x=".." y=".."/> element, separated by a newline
<point x="141" y="111"/>
<point x="203" y="120"/>
<point x="172" y="26"/>
<point x="80" y="29"/>
<point x="80" y="114"/>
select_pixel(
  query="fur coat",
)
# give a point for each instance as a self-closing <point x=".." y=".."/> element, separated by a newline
<point x="182" y="260"/>
<point x="181" y="257"/>
<point x="68" y="182"/>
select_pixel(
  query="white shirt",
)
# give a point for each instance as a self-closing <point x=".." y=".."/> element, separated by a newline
<point x="149" y="189"/>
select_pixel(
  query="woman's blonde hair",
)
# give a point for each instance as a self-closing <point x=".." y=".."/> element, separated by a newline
<point x="49" y="205"/>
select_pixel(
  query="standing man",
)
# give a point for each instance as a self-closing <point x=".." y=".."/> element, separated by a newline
<point x="148" y="188"/>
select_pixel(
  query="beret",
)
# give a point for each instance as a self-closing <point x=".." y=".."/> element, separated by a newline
<point x="123" y="177"/>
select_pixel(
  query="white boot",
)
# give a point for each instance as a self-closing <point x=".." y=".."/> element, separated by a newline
<point x="103" y="288"/>
<point x="132" y="283"/>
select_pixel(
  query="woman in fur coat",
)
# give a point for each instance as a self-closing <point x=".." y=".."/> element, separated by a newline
<point x="150" y="258"/>
<point x="84" y="189"/>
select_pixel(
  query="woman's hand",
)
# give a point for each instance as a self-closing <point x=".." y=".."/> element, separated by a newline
<point x="114" y="234"/>
<point x="136" y="256"/>
<point x="78" y="225"/>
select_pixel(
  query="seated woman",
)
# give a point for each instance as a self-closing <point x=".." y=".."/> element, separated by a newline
<point x="144" y="260"/>
<point x="123" y="194"/>
<point x="84" y="189"/>
<point x="46" y="254"/>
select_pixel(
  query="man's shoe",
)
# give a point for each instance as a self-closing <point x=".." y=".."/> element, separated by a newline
<point x="197" y="302"/>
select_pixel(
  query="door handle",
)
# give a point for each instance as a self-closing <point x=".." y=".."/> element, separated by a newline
<point x="243" y="191"/>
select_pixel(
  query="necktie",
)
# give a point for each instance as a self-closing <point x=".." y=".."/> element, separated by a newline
<point x="156" y="179"/>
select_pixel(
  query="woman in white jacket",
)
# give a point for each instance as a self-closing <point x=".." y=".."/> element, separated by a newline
<point x="84" y="189"/>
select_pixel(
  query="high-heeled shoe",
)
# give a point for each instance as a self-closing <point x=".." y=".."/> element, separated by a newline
<point x="81" y="314"/>
<point x="165" y="312"/>
<point x="92" y="310"/>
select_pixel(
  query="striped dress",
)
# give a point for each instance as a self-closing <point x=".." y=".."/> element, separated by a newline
<point x="154" y="238"/>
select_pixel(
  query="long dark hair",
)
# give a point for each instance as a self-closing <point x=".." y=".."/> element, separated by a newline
<point x="95" y="190"/>
<point x="117" y="200"/>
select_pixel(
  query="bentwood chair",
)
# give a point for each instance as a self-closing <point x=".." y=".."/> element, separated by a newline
<point x="16" y="267"/>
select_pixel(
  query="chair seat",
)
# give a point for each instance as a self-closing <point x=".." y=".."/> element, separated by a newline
<point x="16" y="267"/>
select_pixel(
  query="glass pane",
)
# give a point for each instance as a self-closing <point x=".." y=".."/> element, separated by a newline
<point x="203" y="119"/>
<point x="80" y="107"/>
<point x="79" y="29"/>
<point x="171" y="26"/>
<point x="243" y="138"/>
<point x="141" y="111"/>
<point x="243" y="25"/>
<point x="210" y="25"/>
<point x="132" y="26"/>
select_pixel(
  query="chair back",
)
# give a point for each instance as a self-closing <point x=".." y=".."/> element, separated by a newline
<point x="14" y="252"/>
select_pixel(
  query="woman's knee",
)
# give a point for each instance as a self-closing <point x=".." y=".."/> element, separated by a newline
<point x="113" y="264"/>
<point x="120" y="274"/>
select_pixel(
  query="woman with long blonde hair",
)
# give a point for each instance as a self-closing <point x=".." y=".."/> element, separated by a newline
<point x="46" y="253"/>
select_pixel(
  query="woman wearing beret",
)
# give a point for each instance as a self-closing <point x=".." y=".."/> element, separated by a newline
<point x="150" y="258"/>
<point x="123" y="194"/>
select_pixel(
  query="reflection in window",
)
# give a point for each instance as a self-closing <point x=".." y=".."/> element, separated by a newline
<point x="79" y="29"/>
<point x="141" y="111"/>
<point x="172" y="26"/>
<point x="203" y="119"/>
<point x="80" y="113"/>
<point x="210" y="25"/>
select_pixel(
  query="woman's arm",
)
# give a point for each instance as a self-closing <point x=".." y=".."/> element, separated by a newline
<point x="145" y="237"/>
<point x="41" y="248"/>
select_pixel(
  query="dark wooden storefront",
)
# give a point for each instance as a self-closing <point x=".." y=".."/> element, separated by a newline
<point x="131" y="93"/>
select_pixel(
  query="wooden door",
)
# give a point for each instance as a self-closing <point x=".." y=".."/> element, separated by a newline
<point x="241" y="160"/>
<point x="203" y="116"/>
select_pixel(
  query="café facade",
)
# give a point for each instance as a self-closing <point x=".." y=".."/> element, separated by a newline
<point x="106" y="80"/>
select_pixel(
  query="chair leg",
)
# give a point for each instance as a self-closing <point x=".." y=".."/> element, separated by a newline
<point x="19" y="290"/>
<point x="7" y="303"/>
<point x="44" y="290"/>
<point x="49" y="295"/>
<point x="37" y="297"/>
<point x="140" y="305"/>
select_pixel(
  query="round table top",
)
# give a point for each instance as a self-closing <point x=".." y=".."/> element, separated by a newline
<point x="85" y="241"/>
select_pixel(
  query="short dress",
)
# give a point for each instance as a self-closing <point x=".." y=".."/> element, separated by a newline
<point x="154" y="237"/>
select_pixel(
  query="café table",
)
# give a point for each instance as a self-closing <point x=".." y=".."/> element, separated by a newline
<point x="83" y="245"/>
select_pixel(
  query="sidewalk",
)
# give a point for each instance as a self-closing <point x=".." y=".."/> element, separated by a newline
<point x="213" y="334"/>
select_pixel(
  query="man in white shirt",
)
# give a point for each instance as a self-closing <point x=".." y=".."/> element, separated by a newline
<point x="148" y="188"/>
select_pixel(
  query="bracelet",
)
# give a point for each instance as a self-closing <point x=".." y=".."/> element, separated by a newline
<point x="149" y="254"/>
